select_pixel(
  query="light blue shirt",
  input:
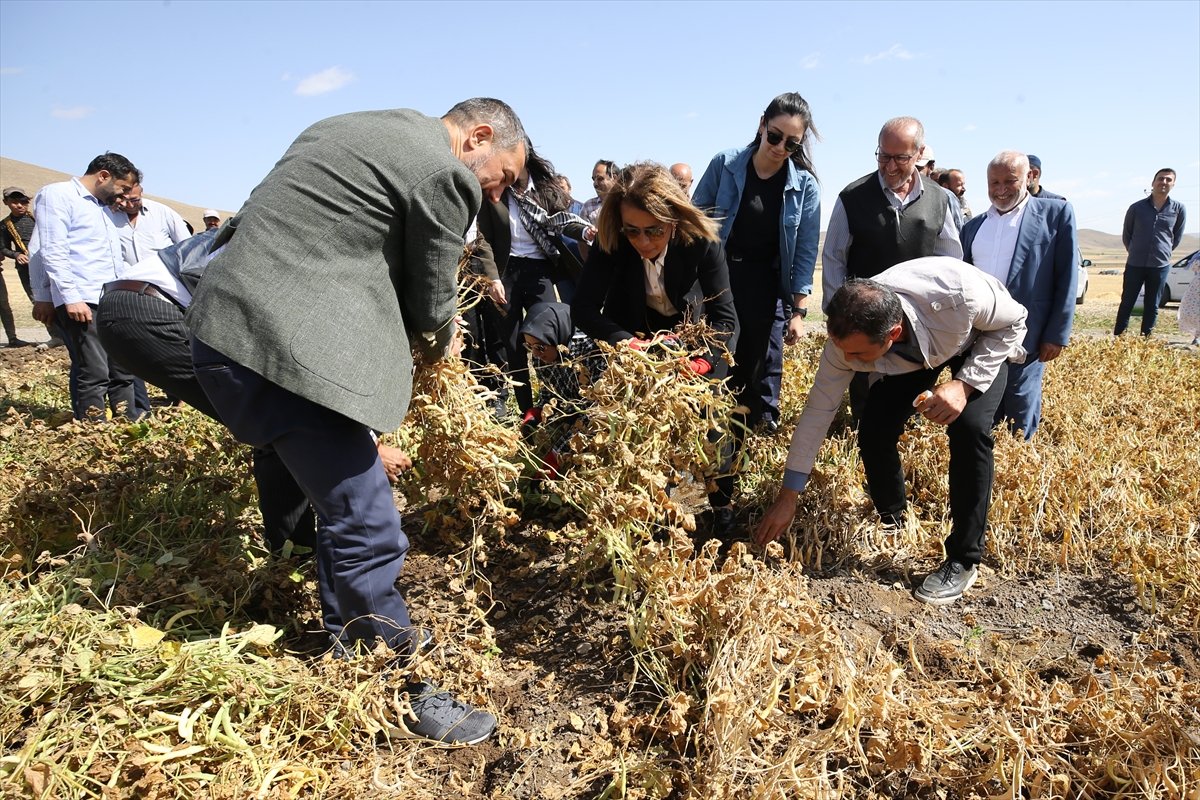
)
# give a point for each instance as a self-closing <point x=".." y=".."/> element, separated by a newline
<point x="75" y="248"/>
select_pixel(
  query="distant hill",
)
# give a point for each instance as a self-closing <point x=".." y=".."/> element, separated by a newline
<point x="1091" y="241"/>
<point x="31" y="178"/>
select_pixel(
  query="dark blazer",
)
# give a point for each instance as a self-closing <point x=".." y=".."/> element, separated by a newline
<point x="491" y="257"/>
<point x="610" y="298"/>
<point x="1044" y="274"/>
<point x="350" y="243"/>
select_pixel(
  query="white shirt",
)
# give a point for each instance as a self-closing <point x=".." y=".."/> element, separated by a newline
<point x="996" y="240"/>
<point x="74" y="249"/>
<point x="523" y="245"/>
<point x="157" y="227"/>
<point x="153" y="270"/>
<point x="656" y="290"/>
<point x="838" y="239"/>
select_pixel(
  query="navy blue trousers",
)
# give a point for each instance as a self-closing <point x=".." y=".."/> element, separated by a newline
<point x="360" y="546"/>
<point x="758" y="368"/>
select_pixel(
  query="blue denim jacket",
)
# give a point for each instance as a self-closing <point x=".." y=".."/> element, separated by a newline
<point x="719" y="193"/>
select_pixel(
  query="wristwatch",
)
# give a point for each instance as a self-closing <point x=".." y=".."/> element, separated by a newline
<point x="803" y="312"/>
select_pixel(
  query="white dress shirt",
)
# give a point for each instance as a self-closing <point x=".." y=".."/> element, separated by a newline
<point x="838" y="239"/>
<point x="656" y="289"/>
<point x="157" y="227"/>
<point x="153" y="270"/>
<point x="996" y="240"/>
<point x="523" y="245"/>
<point x="74" y="249"/>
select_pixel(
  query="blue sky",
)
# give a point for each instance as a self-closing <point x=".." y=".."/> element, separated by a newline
<point x="205" y="97"/>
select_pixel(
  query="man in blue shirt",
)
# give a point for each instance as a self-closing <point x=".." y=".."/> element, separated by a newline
<point x="1153" y="228"/>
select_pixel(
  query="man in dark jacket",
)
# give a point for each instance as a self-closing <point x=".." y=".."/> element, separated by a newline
<point x="304" y="325"/>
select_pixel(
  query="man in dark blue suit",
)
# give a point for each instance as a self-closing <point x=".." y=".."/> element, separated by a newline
<point x="1029" y="245"/>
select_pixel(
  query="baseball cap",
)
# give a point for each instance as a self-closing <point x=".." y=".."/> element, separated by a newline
<point x="1034" y="162"/>
<point x="211" y="212"/>
<point x="11" y="190"/>
<point x="926" y="156"/>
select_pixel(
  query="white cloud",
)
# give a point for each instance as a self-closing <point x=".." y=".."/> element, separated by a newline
<point x="287" y="76"/>
<point x="691" y="114"/>
<point x="1100" y="175"/>
<point x="970" y="126"/>
<point x="1090" y="193"/>
<point x="78" y="112"/>
<point x="810" y="61"/>
<point x="11" y="70"/>
<point x="895" y="51"/>
<point x="326" y="81"/>
<point x="1194" y="164"/>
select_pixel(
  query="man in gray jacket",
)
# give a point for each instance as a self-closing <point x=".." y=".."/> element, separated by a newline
<point x="303" y="327"/>
<point x="903" y="328"/>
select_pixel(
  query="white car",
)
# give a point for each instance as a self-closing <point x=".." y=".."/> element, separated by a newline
<point x="1082" y="288"/>
<point x="1178" y="278"/>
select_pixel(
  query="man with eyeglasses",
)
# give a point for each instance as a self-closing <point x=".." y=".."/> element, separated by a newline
<point x="604" y="174"/>
<point x="882" y="219"/>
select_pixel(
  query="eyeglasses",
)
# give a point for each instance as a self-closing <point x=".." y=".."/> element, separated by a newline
<point x="791" y="145"/>
<point x="901" y="161"/>
<point x="540" y="348"/>
<point x="656" y="232"/>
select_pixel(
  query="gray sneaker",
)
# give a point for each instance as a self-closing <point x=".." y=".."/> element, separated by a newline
<point x="437" y="716"/>
<point x="947" y="584"/>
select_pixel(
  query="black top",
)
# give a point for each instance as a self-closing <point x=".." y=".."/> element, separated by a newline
<point x="884" y="236"/>
<point x="755" y="232"/>
<point x="9" y="246"/>
<point x="610" y="299"/>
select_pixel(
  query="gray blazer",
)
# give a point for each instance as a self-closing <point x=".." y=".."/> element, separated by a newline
<point x="350" y="242"/>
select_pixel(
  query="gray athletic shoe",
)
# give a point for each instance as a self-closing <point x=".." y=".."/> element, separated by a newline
<point x="947" y="584"/>
<point x="438" y="717"/>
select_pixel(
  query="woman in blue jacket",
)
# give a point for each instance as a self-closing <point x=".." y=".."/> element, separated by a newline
<point x="767" y="199"/>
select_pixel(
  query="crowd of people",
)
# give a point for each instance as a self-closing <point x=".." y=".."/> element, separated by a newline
<point x="294" y="322"/>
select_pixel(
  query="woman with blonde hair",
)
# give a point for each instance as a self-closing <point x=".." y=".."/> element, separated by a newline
<point x="658" y="262"/>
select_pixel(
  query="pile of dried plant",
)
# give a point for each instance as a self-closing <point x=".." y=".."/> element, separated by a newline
<point x="140" y="619"/>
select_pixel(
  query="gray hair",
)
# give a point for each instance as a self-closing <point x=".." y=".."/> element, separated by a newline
<point x="507" y="131"/>
<point x="1011" y="159"/>
<point x="901" y="125"/>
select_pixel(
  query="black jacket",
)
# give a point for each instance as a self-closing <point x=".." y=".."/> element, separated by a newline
<point x="491" y="257"/>
<point x="610" y="298"/>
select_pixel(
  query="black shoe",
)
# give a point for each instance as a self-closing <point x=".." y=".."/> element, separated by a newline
<point x="14" y="342"/>
<point x="771" y="426"/>
<point x="723" y="523"/>
<point x="438" y="717"/>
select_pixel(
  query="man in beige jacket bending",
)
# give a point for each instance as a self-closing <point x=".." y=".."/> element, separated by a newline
<point x="904" y="327"/>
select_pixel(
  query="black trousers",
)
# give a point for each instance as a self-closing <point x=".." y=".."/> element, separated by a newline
<point x="94" y="376"/>
<point x="755" y="288"/>
<point x="889" y="406"/>
<point x="527" y="282"/>
<point x="146" y="335"/>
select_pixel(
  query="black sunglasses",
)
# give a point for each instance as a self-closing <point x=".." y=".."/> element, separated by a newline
<point x="791" y="145"/>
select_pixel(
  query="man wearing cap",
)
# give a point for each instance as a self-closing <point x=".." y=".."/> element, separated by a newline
<point x="1035" y="181"/>
<point x="891" y="215"/>
<point x="212" y="219"/>
<point x="75" y="251"/>
<point x="1029" y="245"/>
<point x="15" y="233"/>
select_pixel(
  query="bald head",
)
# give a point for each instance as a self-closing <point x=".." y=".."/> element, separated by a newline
<point x="682" y="173"/>
<point x="901" y="140"/>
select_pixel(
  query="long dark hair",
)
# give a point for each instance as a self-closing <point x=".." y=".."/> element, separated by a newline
<point x="791" y="104"/>
<point x="546" y="191"/>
